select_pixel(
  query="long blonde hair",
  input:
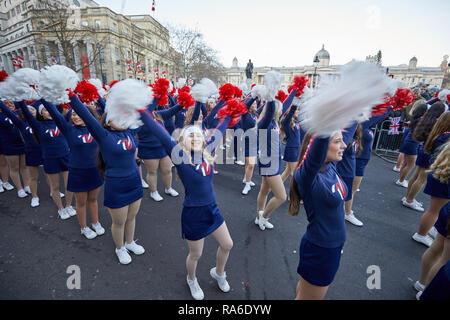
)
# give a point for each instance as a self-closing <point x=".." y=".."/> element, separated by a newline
<point x="441" y="165"/>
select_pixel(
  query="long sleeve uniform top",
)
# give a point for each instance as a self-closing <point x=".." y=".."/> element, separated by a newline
<point x="293" y="135"/>
<point x="367" y="135"/>
<point x="270" y="140"/>
<point x="10" y="132"/>
<point x="118" y="148"/>
<point x="347" y="166"/>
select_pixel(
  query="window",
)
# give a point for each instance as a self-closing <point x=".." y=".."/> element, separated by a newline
<point x="101" y="53"/>
<point x="13" y="12"/>
<point x="114" y="27"/>
<point x="97" y="24"/>
<point x="117" y="56"/>
<point x="7" y="15"/>
<point x="24" y="6"/>
<point x="18" y="9"/>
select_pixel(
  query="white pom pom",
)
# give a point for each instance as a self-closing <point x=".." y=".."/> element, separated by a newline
<point x="244" y="87"/>
<point x="337" y="103"/>
<point x="22" y="85"/>
<point x="442" y="95"/>
<point x="203" y="90"/>
<point x="54" y="82"/>
<point x="259" y="91"/>
<point x="272" y="81"/>
<point x="124" y="99"/>
<point x="394" y="84"/>
<point x="7" y="89"/>
<point x="99" y="85"/>
<point x="180" y="83"/>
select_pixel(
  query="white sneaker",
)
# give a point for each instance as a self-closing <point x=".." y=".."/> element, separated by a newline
<point x="358" y="190"/>
<point x="433" y="232"/>
<point x="196" y="291"/>
<point x="240" y="162"/>
<point x="221" y="280"/>
<point x="122" y="254"/>
<point x="222" y="147"/>
<point x="99" y="230"/>
<point x="63" y="214"/>
<point x="171" y="192"/>
<point x="8" y="186"/>
<point x="216" y="172"/>
<point x="1" y="188"/>
<point x="263" y="223"/>
<point x="247" y="188"/>
<point x="155" y="196"/>
<point x="396" y="169"/>
<point x="88" y="233"/>
<point x="403" y="184"/>
<point x="144" y="184"/>
<point x="27" y="189"/>
<point x="21" y="193"/>
<point x="353" y="220"/>
<point x="135" y="248"/>
<point x="426" y="240"/>
<point x="34" y="202"/>
<point x="413" y="205"/>
<point x="418" y="286"/>
<point x="252" y="184"/>
<point x="418" y="295"/>
<point x="71" y="211"/>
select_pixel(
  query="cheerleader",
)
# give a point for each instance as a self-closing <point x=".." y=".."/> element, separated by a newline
<point x="4" y="172"/>
<point x="33" y="152"/>
<point x="439" y="252"/>
<point x="151" y="151"/>
<point x="438" y="189"/>
<point x="123" y="188"/>
<point x="55" y="155"/>
<point x="13" y="149"/>
<point x="433" y="132"/>
<point x="410" y="146"/>
<point x="290" y="127"/>
<point x="248" y="124"/>
<point x="84" y="179"/>
<point x="200" y="216"/>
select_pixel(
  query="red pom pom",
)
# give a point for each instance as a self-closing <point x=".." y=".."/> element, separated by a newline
<point x="227" y="92"/>
<point x="184" y="89"/>
<point x="161" y="90"/>
<point x="448" y="97"/>
<point x="233" y="108"/>
<point x="65" y="105"/>
<point x="87" y="91"/>
<point x="282" y="96"/>
<point x="113" y="83"/>
<point x="237" y="92"/>
<point x="381" y="108"/>
<point x="3" y="76"/>
<point x="402" y="98"/>
<point x="298" y="84"/>
<point x="28" y="102"/>
<point x="185" y="100"/>
<point x="174" y="90"/>
<point x="253" y="86"/>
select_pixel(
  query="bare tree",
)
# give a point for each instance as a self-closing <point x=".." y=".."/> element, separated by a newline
<point x="193" y="55"/>
<point x="56" y="20"/>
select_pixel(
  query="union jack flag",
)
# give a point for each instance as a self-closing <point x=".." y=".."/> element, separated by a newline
<point x="394" y="126"/>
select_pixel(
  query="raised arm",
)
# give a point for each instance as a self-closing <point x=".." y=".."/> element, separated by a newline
<point x="11" y="115"/>
<point x="210" y="117"/>
<point x="94" y="127"/>
<point x="287" y="120"/>
<point x="287" y="103"/>
<point x="349" y="132"/>
<point x="101" y="105"/>
<point x="159" y="131"/>
<point x="168" y="113"/>
<point x="375" y="119"/>
<point x="268" y="116"/>
<point x="60" y="120"/>
<point x="219" y="131"/>
<point x="32" y="121"/>
<point x="314" y="160"/>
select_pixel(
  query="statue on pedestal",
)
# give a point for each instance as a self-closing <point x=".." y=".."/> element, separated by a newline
<point x="249" y="69"/>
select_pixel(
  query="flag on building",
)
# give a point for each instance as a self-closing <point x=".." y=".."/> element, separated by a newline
<point x="138" y="67"/>
<point x="164" y="75"/>
<point x="394" y="126"/>
<point x="17" y="62"/>
<point x="129" y="64"/>
<point x="54" y="61"/>
<point x="156" y="74"/>
<point x="153" y="5"/>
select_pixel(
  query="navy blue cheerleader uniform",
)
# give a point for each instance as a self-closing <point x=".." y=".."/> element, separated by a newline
<point x="33" y="151"/>
<point x="122" y="180"/>
<point x="439" y="287"/>
<point x="409" y="145"/>
<point x="12" y="143"/>
<point x="293" y="141"/>
<point x="436" y="188"/>
<point x="347" y="167"/>
<point x="441" y="222"/>
<point x="425" y="159"/>
<point x="83" y="172"/>
<point x="269" y="144"/>
<point x="248" y="125"/>
<point x="55" y="149"/>
<point x="200" y="216"/>
<point x="367" y="142"/>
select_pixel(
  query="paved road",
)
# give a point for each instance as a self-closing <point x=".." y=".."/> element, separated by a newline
<point x="36" y="247"/>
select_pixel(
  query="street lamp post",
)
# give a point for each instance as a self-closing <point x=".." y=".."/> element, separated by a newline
<point x="315" y="63"/>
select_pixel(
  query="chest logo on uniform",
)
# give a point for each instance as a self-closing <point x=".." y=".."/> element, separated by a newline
<point x="371" y="133"/>
<point x="355" y="146"/>
<point x="297" y="125"/>
<point x="205" y="168"/>
<point x="127" y="144"/>
<point x="8" y="120"/>
<point x="29" y="129"/>
<point x="53" y="132"/>
<point x="86" y="138"/>
<point x="340" y="188"/>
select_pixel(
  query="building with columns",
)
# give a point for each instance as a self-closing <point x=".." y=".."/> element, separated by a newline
<point x="410" y="74"/>
<point x="108" y="46"/>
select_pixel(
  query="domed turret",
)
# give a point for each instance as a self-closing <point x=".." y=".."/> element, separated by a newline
<point x="413" y="63"/>
<point x="324" y="57"/>
<point x="235" y="63"/>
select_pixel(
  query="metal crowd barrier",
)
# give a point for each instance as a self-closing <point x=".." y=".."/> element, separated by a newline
<point x="386" y="145"/>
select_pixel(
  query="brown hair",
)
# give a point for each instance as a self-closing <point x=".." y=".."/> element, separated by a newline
<point x="358" y="135"/>
<point x="294" y="196"/>
<point x="442" y="125"/>
<point x="441" y="165"/>
<point x="101" y="165"/>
